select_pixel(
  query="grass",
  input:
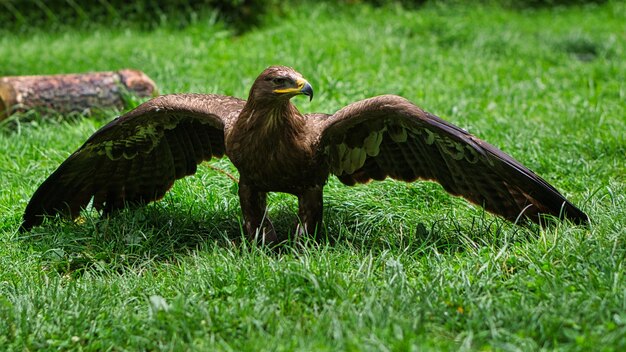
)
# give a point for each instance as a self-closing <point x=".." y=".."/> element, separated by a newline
<point x="412" y="268"/>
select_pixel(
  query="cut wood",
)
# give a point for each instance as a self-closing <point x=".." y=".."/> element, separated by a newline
<point x="71" y="93"/>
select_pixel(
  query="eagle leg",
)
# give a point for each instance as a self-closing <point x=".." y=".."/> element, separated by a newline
<point x="310" y="211"/>
<point x="253" y="206"/>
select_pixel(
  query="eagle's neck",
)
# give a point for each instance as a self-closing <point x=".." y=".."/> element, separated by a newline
<point x="266" y="141"/>
<point x="279" y="117"/>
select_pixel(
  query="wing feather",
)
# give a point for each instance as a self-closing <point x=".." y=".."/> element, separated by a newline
<point x="419" y="145"/>
<point x="136" y="158"/>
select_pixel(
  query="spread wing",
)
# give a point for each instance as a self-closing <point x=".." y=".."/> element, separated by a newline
<point x="389" y="136"/>
<point x="136" y="158"/>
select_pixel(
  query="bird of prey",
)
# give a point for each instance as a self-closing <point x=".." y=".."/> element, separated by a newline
<point x="136" y="158"/>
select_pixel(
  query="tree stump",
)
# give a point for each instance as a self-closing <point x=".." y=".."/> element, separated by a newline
<point x="71" y="93"/>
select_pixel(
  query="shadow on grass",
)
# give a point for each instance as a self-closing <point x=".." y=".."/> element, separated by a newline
<point x="442" y="235"/>
<point x="130" y="239"/>
<point x="134" y="239"/>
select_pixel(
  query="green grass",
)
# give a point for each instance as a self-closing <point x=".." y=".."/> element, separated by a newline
<point x="411" y="267"/>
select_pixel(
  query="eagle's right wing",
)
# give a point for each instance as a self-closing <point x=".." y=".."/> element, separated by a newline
<point x="136" y="158"/>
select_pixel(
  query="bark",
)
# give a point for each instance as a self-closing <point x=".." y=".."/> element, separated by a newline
<point x="71" y="93"/>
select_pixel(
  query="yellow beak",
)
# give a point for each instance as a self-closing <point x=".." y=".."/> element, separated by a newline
<point x="302" y="87"/>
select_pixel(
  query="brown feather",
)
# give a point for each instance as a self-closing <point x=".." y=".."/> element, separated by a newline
<point x="136" y="158"/>
<point x="434" y="149"/>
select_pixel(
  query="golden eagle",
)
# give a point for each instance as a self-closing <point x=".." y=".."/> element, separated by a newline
<point x="136" y="158"/>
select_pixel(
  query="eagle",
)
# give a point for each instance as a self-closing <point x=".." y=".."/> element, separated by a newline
<point x="135" y="159"/>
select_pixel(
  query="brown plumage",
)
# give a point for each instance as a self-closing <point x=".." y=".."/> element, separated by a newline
<point x="136" y="158"/>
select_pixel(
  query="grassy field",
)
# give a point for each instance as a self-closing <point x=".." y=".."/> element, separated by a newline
<point x="412" y="267"/>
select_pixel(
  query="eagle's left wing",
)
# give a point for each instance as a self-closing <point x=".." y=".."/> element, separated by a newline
<point x="389" y="136"/>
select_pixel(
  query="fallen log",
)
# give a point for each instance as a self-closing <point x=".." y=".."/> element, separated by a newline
<point x="71" y="93"/>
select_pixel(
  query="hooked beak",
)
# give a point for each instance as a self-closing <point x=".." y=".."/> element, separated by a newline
<point x="302" y="87"/>
<point x="306" y="89"/>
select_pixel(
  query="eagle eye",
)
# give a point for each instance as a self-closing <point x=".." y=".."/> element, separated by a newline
<point x="279" y="80"/>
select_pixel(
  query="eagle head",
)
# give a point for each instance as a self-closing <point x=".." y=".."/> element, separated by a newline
<point x="280" y="83"/>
